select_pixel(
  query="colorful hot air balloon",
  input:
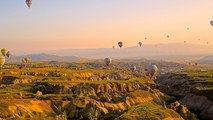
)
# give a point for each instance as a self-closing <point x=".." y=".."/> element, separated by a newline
<point x="107" y="61"/>
<point x="8" y="54"/>
<point x="211" y="22"/>
<point x="120" y="44"/>
<point x="4" y="51"/>
<point x="2" y="61"/>
<point x="140" y="44"/>
<point x="29" y="3"/>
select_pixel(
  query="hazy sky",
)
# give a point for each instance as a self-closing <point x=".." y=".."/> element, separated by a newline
<point x="68" y="24"/>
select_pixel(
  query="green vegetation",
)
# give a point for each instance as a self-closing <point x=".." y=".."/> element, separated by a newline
<point x="203" y="78"/>
<point x="82" y="90"/>
<point x="147" y="111"/>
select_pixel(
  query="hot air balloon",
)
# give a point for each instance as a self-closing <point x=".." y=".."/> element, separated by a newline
<point x="23" y="60"/>
<point x="133" y="67"/>
<point x="4" y="51"/>
<point x="120" y="44"/>
<point x="8" y="54"/>
<point x="29" y="3"/>
<point x="140" y="44"/>
<point x="107" y="61"/>
<point x="211" y="22"/>
<point x="2" y="61"/>
<point x="167" y="36"/>
<point x="151" y="70"/>
<point x="27" y="59"/>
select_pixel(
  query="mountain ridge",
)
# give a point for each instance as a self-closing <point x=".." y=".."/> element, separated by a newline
<point x="149" y="51"/>
<point x="45" y="58"/>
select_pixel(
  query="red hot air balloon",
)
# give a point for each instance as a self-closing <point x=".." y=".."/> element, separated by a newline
<point x="120" y="44"/>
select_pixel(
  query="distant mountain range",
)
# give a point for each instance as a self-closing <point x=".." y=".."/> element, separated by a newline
<point x="207" y="60"/>
<point x="202" y="53"/>
<point x="45" y="58"/>
<point x="179" y="51"/>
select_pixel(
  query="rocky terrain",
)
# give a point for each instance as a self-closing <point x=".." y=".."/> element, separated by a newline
<point x="193" y="88"/>
<point x="102" y="93"/>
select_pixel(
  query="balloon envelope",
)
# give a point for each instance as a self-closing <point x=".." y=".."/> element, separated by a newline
<point x="23" y="60"/>
<point x="2" y="60"/>
<point x="4" y="51"/>
<point x="8" y="54"/>
<point x="140" y="43"/>
<point x="107" y="61"/>
<point x="211" y="22"/>
<point x="29" y="3"/>
<point x="133" y="68"/>
<point x="151" y="70"/>
<point x="167" y="36"/>
<point x="27" y="59"/>
<point x="120" y="44"/>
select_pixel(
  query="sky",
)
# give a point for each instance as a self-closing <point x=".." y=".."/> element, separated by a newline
<point x="80" y="24"/>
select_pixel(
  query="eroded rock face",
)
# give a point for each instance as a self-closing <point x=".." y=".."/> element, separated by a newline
<point x="107" y="98"/>
<point x="16" y="80"/>
<point x="109" y="92"/>
<point x="182" y="110"/>
<point x="16" y="110"/>
<point x="174" y="84"/>
<point x="8" y="79"/>
<point x="132" y="99"/>
<point x="39" y="94"/>
<point x="180" y="85"/>
<point x="55" y="89"/>
<point x="200" y="104"/>
<point x="83" y="75"/>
